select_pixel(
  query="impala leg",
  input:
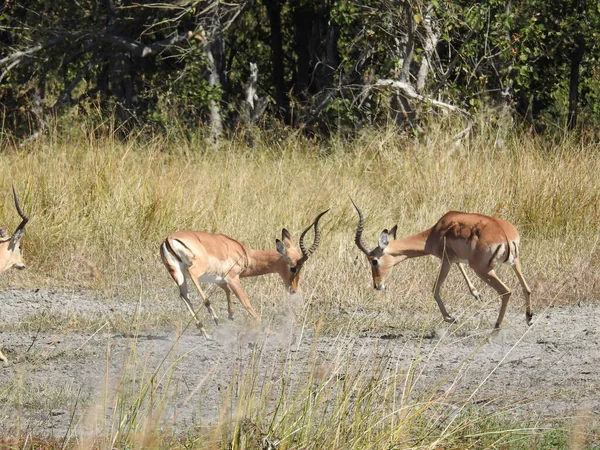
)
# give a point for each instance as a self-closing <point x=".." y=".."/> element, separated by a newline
<point x="471" y="286"/>
<point x="176" y="270"/>
<point x="444" y="270"/>
<point x="225" y="287"/>
<point x="205" y="299"/>
<point x="183" y="293"/>
<point x="526" y="291"/>
<point x="492" y="279"/>
<point x="236" y="287"/>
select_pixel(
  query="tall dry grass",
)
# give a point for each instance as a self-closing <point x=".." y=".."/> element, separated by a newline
<point x="101" y="207"/>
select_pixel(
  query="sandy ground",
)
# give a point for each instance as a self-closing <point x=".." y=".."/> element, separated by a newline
<point x="55" y="384"/>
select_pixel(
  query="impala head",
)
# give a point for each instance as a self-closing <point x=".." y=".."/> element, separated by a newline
<point x="379" y="260"/>
<point x="294" y="260"/>
<point x="10" y="247"/>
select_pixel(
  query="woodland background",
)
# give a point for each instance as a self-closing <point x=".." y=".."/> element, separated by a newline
<point x="324" y="67"/>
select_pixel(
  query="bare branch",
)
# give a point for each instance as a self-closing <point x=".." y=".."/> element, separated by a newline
<point x="409" y="91"/>
<point x="17" y="57"/>
<point x="141" y="50"/>
<point x="20" y="54"/>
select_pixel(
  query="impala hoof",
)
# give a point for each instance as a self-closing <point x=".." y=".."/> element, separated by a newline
<point x="479" y="297"/>
<point x="216" y="321"/>
<point x="207" y="336"/>
<point x="529" y="318"/>
<point x="450" y="320"/>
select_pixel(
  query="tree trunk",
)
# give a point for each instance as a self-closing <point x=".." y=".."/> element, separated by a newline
<point x="431" y="41"/>
<point x="303" y="25"/>
<point x="410" y="44"/>
<point x="274" y="13"/>
<point x="332" y="54"/>
<point x="575" y="57"/>
<point x="216" y="122"/>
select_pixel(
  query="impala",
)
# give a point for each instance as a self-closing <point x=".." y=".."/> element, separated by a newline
<point x="219" y="259"/>
<point x="10" y="246"/>
<point x="462" y="238"/>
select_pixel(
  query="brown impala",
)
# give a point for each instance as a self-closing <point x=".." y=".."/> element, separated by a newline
<point x="219" y="259"/>
<point x="10" y="246"/>
<point x="478" y="240"/>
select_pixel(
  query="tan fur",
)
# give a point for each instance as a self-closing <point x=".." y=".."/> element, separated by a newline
<point x="10" y="247"/>
<point x="216" y="257"/>
<point x="480" y="241"/>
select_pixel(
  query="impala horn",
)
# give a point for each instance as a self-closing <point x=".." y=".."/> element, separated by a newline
<point x="358" y="239"/>
<point x="306" y="253"/>
<point x="18" y="234"/>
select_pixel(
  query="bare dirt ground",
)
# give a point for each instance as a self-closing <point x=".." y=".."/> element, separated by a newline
<point x="59" y="383"/>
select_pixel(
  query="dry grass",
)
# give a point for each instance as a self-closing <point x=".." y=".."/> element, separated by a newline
<point x="100" y="209"/>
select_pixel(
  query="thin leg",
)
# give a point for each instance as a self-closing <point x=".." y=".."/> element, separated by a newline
<point x="236" y="287"/>
<point x="2" y="357"/>
<point x="526" y="291"/>
<point x="176" y="269"/>
<point x="492" y="279"/>
<point x="225" y="287"/>
<point x="446" y="264"/>
<point x="183" y="293"/>
<point x="194" y="276"/>
<point x="471" y="286"/>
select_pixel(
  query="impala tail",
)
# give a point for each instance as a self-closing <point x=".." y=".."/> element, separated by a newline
<point x="175" y="252"/>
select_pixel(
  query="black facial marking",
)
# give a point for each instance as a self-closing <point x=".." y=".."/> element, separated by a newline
<point x="293" y="269"/>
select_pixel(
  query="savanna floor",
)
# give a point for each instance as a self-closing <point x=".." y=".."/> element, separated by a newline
<point x="72" y="384"/>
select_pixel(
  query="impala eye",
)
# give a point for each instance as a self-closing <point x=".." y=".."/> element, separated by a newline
<point x="374" y="262"/>
<point x="293" y="269"/>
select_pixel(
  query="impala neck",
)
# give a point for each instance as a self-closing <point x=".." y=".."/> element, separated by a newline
<point x="262" y="262"/>
<point x="409" y="247"/>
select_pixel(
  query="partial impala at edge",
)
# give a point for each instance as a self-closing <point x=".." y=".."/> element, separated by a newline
<point x="10" y="246"/>
<point x="219" y="259"/>
<point x="480" y="241"/>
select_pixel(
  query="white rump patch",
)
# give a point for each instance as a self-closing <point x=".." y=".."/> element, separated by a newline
<point x="171" y="259"/>
<point x="181" y="251"/>
<point x="504" y="255"/>
<point x="511" y="259"/>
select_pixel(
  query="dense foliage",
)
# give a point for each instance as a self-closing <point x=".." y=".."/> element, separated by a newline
<point x="322" y="66"/>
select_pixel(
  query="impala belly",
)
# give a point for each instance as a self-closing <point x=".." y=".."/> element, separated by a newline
<point x="458" y="251"/>
<point x="210" y="278"/>
<point x="217" y="270"/>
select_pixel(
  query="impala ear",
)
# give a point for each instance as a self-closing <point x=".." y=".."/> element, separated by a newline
<point x="280" y="247"/>
<point x="384" y="239"/>
<point x="392" y="232"/>
<point x="286" y="237"/>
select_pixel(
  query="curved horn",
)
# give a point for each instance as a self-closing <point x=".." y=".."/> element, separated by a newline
<point x="310" y="251"/>
<point x="360" y="243"/>
<point x="16" y="237"/>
